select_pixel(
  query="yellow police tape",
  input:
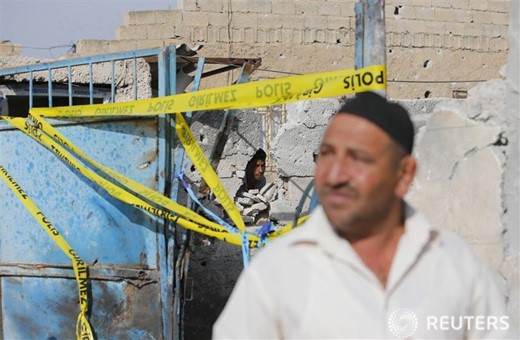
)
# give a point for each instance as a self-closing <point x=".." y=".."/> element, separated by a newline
<point x="206" y="170"/>
<point x="261" y="93"/>
<point x="208" y="228"/>
<point x="239" y="96"/>
<point x="83" y="329"/>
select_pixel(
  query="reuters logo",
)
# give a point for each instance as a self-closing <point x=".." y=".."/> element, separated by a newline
<point x="402" y="323"/>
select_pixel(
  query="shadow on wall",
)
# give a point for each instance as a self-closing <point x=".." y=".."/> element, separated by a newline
<point x="213" y="272"/>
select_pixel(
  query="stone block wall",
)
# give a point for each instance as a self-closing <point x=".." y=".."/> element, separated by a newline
<point x="8" y="49"/>
<point x="434" y="47"/>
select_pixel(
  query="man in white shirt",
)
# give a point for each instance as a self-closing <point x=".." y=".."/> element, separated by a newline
<point x="365" y="265"/>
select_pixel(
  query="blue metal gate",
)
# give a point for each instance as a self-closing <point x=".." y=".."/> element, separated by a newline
<point x="130" y="253"/>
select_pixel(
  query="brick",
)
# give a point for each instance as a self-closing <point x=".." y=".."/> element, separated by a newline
<point x="249" y="35"/>
<point x="200" y="34"/>
<point x="187" y="5"/>
<point x="330" y="8"/>
<point x="237" y="35"/>
<point x="478" y="4"/>
<point x="459" y="4"/>
<point x="294" y="21"/>
<point x="407" y="40"/>
<point x="274" y="35"/>
<point x="139" y="18"/>
<point x="418" y="40"/>
<point x="309" y="36"/>
<point x="183" y="32"/>
<point x="423" y="3"/>
<point x="428" y="40"/>
<point x="284" y="7"/>
<point x="332" y="37"/>
<point x="504" y="30"/>
<point x="456" y="42"/>
<point x="286" y="35"/>
<point x="481" y="17"/>
<point x="132" y="32"/>
<point x="309" y="8"/>
<point x="443" y="14"/>
<point x="259" y="6"/>
<point x="315" y="21"/>
<point x="211" y="5"/>
<point x="473" y="30"/>
<point x="455" y="28"/>
<point x="435" y="27"/>
<point x="245" y="20"/>
<point x="335" y="22"/>
<point x="321" y="36"/>
<point x="462" y="15"/>
<point x="270" y="21"/>
<point x="218" y="19"/>
<point x="438" y="40"/>
<point x="261" y="36"/>
<point x="345" y="37"/>
<point x="213" y="33"/>
<point x="486" y="43"/>
<point x="492" y="31"/>
<point x="442" y="3"/>
<point x="466" y="43"/>
<point x="125" y="45"/>
<point x="197" y="19"/>
<point x="404" y="12"/>
<point x="499" y="5"/>
<point x="297" y="36"/>
<point x="499" y="18"/>
<point x="224" y="35"/>
<point x="168" y="17"/>
<point x="239" y="6"/>
<point x="347" y="8"/>
<point x="424" y="13"/>
<point x="401" y="26"/>
<point x="160" y="31"/>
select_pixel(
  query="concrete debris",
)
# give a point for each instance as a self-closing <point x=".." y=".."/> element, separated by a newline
<point x="245" y="201"/>
<point x="255" y="205"/>
<point x="250" y="211"/>
<point x="259" y="206"/>
<point x="281" y="212"/>
<point x="249" y="195"/>
<point x="266" y="187"/>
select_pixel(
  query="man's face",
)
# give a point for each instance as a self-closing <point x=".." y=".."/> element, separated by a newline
<point x="258" y="169"/>
<point x="356" y="174"/>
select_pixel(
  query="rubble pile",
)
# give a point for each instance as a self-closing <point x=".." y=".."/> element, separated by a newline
<point x="254" y="204"/>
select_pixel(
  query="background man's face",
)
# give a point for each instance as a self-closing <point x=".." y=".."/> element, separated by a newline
<point x="258" y="169"/>
<point x="356" y="174"/>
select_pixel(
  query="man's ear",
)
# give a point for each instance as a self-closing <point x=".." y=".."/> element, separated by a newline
<point x="406" y="174"/>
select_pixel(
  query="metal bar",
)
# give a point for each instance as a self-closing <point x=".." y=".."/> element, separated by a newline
<point x="228" y="120"/>
<point x="31" y="103"/>
<point x="370" y="34"/>
<point x="49" y="86"/>
<point x="113" y="82"/>
<point x="359" y="9"/>
<point x="69" y="79"/>
<point x="80" y="61"/>
<point x="91" y="84"/>
<point x="135" y="78"/>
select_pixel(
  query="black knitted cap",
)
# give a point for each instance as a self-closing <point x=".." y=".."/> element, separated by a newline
<point x="391" y="117"/>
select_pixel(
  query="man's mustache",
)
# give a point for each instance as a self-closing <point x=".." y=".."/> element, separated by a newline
<point x="344" y="188"/>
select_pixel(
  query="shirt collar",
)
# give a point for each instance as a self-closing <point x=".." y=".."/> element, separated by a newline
<point x="418" y="234"/>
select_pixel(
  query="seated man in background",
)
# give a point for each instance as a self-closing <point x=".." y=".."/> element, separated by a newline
<point x="254" y="178"/>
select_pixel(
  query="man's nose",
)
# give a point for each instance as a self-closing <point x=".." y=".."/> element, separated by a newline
<point x="339" y="172"/>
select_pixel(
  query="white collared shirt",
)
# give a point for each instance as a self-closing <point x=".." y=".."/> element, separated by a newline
<point x="311" y="284"/>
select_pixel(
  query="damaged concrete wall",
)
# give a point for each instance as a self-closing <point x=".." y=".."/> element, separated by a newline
<point x="101" y="75"/>
<point x="428" y="41"/>
<point x="7" y="48"/>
